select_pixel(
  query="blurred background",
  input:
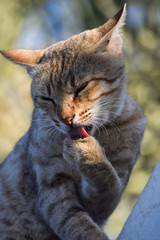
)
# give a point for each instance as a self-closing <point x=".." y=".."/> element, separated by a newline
<point x="34" y="24"/>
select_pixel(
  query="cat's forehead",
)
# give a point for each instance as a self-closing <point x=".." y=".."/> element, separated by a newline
<point x="69" y="66"/>
<point x="67" y="60"/>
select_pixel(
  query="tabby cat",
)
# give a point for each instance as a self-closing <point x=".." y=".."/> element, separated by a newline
<point x="66" y="175"/>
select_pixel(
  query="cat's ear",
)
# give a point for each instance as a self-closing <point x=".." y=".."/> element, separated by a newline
<point x="23" y="57"/>
<point x="111" y="33"/>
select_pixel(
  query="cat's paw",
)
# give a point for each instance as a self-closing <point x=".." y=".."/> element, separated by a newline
<point x="80" y="150"/>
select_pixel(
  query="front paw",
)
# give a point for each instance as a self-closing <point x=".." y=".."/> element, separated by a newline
<point x="69" y="153"/>
<point x="76" y="151"/>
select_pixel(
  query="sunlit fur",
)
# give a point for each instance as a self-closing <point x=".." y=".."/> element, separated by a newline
<point x="54" y="187"/>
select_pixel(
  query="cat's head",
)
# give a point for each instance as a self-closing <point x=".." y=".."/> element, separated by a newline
<point x="80" y="81"/>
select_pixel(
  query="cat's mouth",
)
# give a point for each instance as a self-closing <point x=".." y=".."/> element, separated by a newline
<point x="80" y="132"/>
<point x="88" y="128"/>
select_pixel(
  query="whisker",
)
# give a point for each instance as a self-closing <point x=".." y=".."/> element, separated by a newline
<point x="95" y="125"/>
<point x="100" y="124"/>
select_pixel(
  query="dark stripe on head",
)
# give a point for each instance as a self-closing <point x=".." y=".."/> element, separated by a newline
<point x="72" y="80"/>
<point x="49" y="90"/>
<point x="103" y="94"/>
<point x="63" y="61"/>
<point x="51" y="74"/>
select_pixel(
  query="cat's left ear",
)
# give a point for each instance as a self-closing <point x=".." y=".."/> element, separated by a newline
<point x="23" y="57"/>
<point x="112" y="40"/>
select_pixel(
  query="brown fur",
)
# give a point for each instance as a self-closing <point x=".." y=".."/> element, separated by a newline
<point x="56" y="187"/>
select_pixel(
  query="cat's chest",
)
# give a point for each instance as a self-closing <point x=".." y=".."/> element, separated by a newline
<point x="53" y="166"/>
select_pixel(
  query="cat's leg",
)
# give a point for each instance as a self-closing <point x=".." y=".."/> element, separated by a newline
<point x="60" y="207"/>
<point x="101" y="186"/>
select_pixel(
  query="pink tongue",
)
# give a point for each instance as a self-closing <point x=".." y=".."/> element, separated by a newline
<point x="78" y="132"/>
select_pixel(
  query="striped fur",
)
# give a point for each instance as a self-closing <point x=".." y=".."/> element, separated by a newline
<point x="54" y="187"/>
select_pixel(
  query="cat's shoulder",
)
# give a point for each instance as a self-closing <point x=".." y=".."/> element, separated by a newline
<point x="19" y="151"/>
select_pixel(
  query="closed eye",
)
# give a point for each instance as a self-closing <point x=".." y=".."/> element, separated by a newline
<point x="47" y="99"/>
<point x="81" y="88"/>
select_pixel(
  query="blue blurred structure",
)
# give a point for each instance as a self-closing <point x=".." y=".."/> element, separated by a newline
<point x="135" y="16"/>
<point x="143" y="223"/>
<point x="55" y="18"/>
<point x="53" y="22"/>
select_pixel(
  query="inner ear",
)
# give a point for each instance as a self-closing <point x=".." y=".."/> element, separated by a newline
<point x="112" y="40"/>
<point x="115" y="43"/>
<point x="23" y="57"/>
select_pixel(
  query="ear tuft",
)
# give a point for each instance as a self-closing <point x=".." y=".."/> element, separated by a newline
<point x="23" y="57"/>
<point x="112" y="39"/>
<point x="117" y="20"/>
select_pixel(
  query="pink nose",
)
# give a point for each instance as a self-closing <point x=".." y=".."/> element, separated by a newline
<point x="68" y="120"/>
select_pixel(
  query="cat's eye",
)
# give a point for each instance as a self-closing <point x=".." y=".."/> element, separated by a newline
<point x="81" y="88"/>
<point x="47" y="99"/>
